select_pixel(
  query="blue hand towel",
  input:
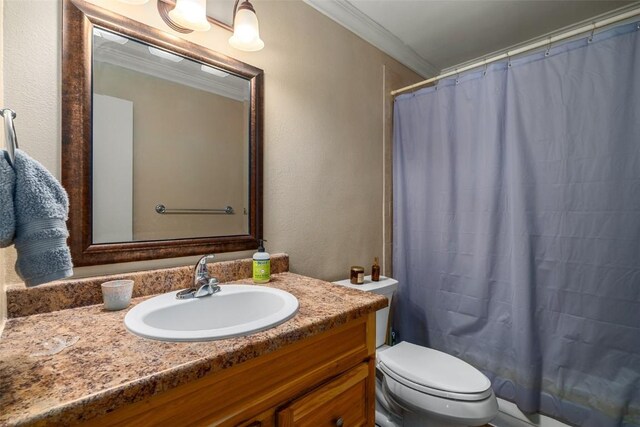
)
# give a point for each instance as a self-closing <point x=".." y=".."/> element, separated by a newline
<point x="7" y="215"/>
<point x="41" y="209"/>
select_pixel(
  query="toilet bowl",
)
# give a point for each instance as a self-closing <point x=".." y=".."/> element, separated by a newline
<point x="422" y="387"/>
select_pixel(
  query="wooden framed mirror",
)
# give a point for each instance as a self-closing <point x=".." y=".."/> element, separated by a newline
<point x="161" y="142"/>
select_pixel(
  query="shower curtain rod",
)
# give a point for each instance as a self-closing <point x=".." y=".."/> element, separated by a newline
<point x="532" y="46"/>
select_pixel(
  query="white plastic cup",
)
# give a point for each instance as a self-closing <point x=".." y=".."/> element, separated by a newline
<point x="116" y="294"/>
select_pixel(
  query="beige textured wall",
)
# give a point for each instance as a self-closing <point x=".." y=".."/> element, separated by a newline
<point x="204" y="149"/>
<point x="325" y="103"/>
<point x="31" y="70"/>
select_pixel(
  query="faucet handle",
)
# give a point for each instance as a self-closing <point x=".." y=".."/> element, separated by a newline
<point x="201" y="266"/>
<point x="211" y="287"/>
<point x="206" y="258"/>
<point x="203" y="284"/>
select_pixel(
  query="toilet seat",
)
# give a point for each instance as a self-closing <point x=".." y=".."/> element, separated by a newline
<point x="461" y="412"/>
<point x="425" y="381"/>
<point x="433" y="372"/>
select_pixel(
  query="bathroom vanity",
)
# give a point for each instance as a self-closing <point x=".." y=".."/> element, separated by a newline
<point x="315" y="369"/>
<point x="316" y="381"/>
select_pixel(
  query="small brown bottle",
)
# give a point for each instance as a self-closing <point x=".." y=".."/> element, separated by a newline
<point x="375" y="270"/>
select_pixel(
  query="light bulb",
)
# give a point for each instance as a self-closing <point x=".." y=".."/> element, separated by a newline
<point x="214" y="71"/>
<point x="246" y="31"/>
<point x="164" y="54"/>
<point x="191" y="14"/>
<point x="110" y="36"/>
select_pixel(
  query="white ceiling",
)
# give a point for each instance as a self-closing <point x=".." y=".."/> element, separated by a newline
<point x="429" y="36"/>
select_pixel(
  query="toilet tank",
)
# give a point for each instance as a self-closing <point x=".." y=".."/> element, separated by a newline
<point x="386" y="286"/>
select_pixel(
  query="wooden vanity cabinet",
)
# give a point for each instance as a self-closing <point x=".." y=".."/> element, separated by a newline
<point x="325" y="380"/>
<point x="341" y="402"/>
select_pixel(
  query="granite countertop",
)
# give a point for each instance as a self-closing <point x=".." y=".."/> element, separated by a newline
<point x="105" y="367"/>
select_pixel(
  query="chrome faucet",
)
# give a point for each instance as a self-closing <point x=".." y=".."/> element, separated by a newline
<point x="203" y="284"/>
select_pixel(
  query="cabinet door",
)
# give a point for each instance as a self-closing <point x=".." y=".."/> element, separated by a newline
<point x="340" y="403"/>
<point x="266" y="419"/>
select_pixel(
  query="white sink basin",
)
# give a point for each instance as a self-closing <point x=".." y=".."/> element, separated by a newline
<point x="235" y="310"/>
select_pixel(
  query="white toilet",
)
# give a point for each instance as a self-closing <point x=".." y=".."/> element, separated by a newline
<point x="421" y="387"/>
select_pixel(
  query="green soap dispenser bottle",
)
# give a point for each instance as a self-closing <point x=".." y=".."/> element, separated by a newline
<point x="261" y="264"/>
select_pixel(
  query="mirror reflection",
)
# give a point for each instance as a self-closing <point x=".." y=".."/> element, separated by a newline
<point x="170" y="145"/>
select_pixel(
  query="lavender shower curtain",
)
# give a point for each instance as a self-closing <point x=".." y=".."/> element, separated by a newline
<point x="517" y="226"/>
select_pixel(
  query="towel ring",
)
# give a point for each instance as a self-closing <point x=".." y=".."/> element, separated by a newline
<point x="11" y="140"/>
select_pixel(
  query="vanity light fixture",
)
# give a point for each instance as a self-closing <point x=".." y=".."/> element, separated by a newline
<point x="107" y="35"/>
<point x="213" y="71"/>
<point x="191" y="14"/>
<point x="186" y="16"/>
<point x="164" y="54"/>
<point x="246" y="32"/>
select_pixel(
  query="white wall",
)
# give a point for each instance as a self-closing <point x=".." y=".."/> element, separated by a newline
<point x="112" y="210"/>
<point x="324" y="114"/>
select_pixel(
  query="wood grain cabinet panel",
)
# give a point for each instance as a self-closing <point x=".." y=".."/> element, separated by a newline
<point x="332" y="371"/>
<point x="266" y="419"/>
<point x="339" y="403"/>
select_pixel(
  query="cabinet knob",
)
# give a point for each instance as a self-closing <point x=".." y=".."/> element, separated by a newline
<point x="339" y="422"/>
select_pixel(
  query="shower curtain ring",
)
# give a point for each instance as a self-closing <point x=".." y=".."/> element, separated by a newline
<point x="546" y="53"/>
<point x="508" y="60"/>
<point x="593" y="30"/>
<point x="484" y="73"/>
<point x="457" y="76"/>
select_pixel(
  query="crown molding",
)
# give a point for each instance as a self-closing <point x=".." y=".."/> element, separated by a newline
<point x="350" y="17"/>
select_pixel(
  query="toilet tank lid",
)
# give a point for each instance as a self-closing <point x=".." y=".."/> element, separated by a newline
<point x="386" y="285"/>
<point x="433" y="369"/>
